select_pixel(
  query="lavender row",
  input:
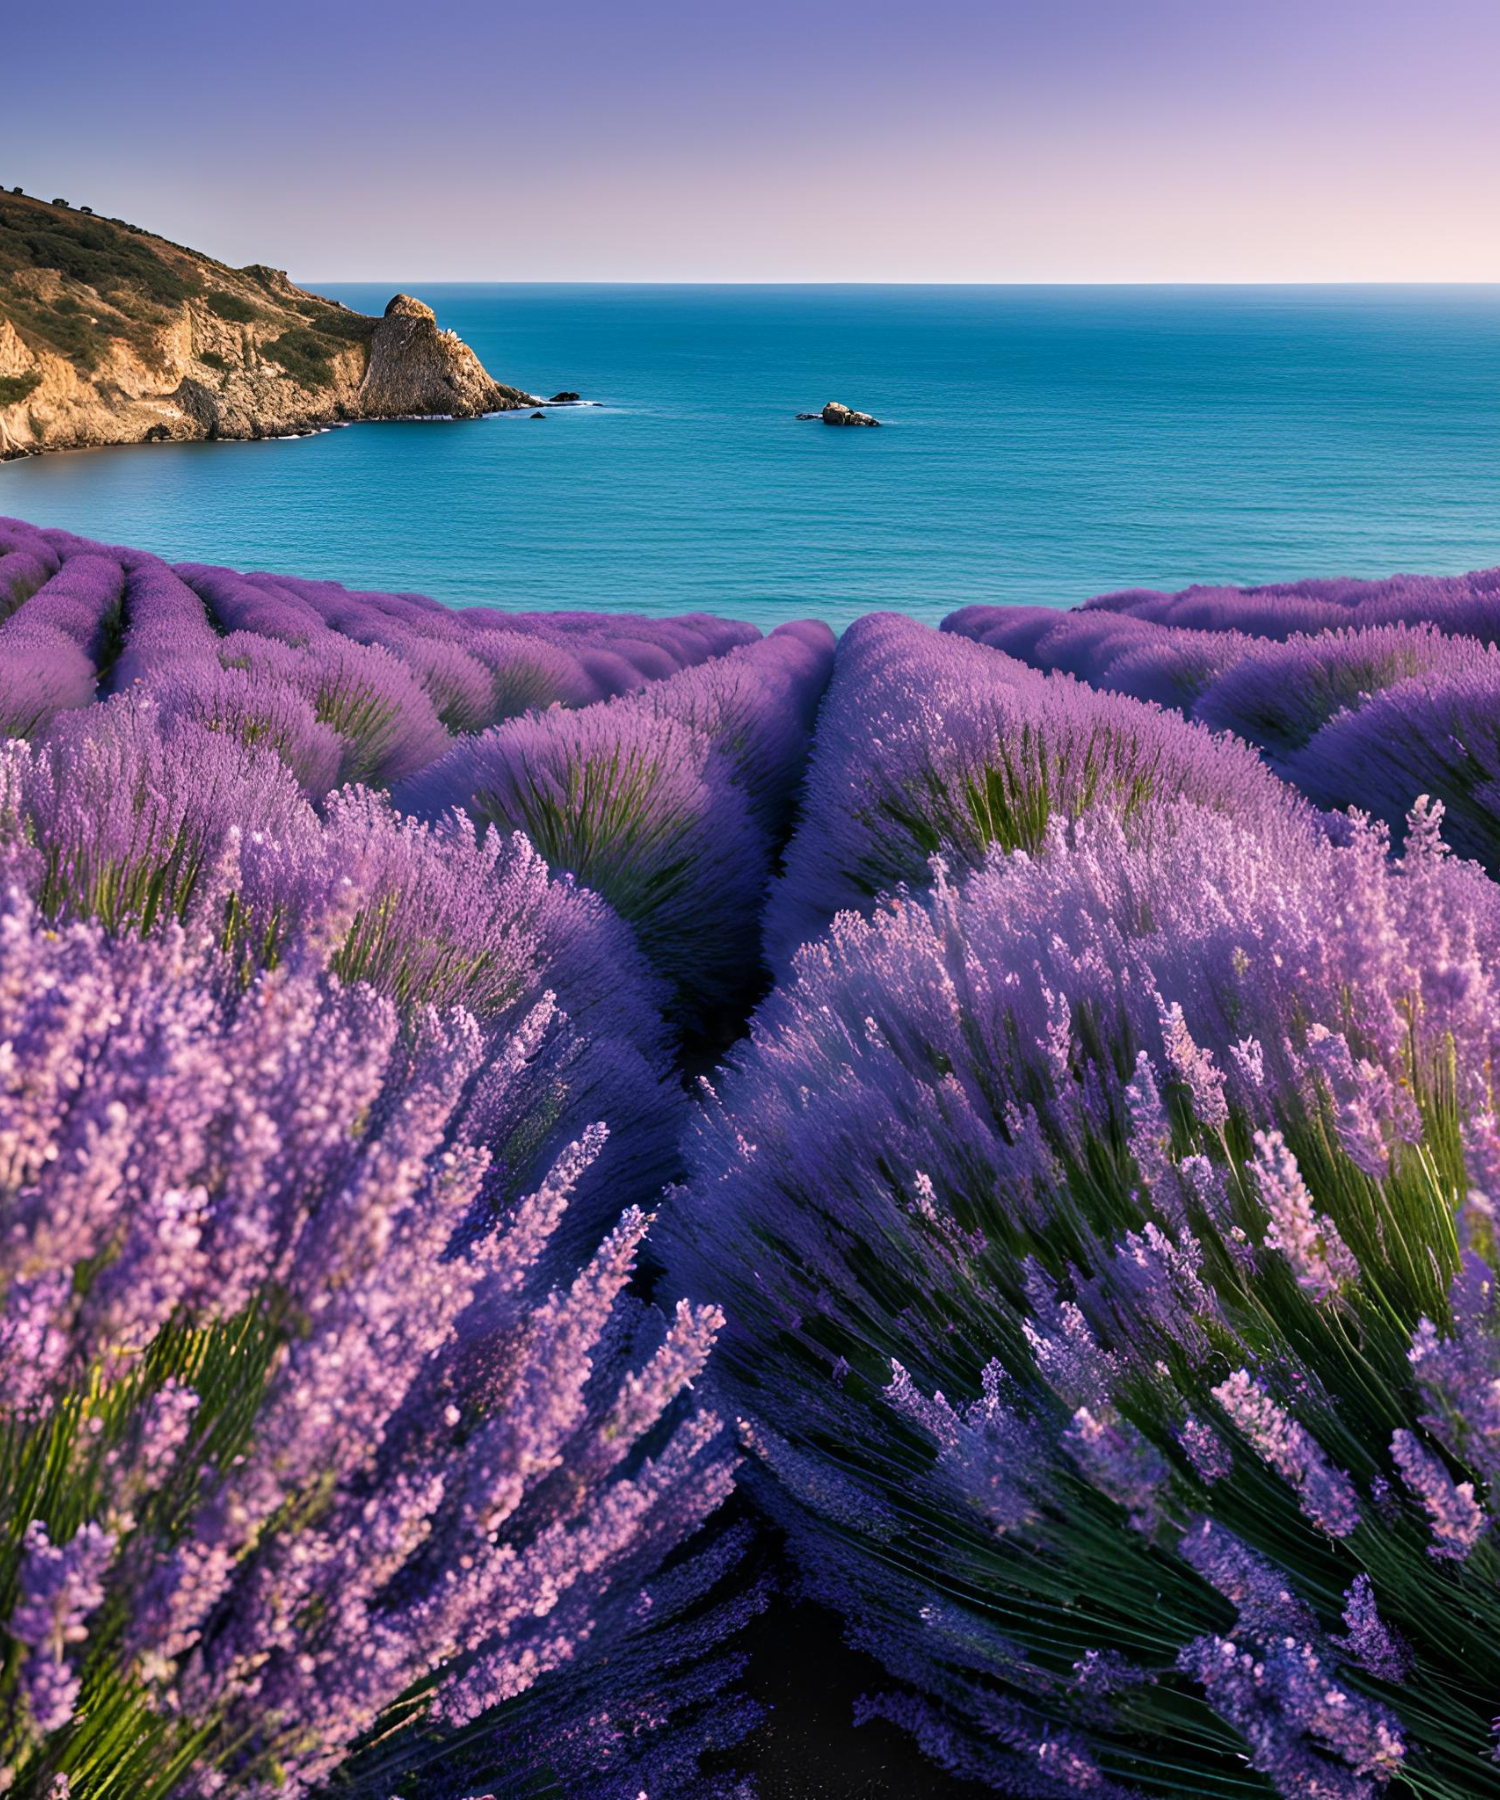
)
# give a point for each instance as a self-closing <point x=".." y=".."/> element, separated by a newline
<point x="55" y="645"/>
<point x="26" y="560"/>
<point x="391" y="678"/>
<point x="333" y="1442"/>
<point x="927" y="745"/>
<point x="1107" y="1246"/>
<point x="137" y="816"/>
<point x="1102" y="1205"/>
<point x="668" y="803"/>
<point x="1371" y="715"/>
<point x="477" y="665"/>
<point x="1466" y="604"/>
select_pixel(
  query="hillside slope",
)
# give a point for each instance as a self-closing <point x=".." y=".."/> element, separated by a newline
<point x="109" y="335"/>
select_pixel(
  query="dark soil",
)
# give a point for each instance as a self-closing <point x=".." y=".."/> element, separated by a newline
<point x="808" y="1679"/>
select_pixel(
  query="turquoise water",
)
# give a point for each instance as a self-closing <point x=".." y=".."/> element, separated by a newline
<point x="1043" y="444"/>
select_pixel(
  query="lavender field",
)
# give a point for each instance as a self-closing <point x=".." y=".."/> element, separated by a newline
<point x="525" y="1135"/>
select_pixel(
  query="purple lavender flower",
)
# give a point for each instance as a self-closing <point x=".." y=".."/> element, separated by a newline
<point x="60" y="1586"/>
<point x="930" y="745"/>
<point x="1458" y="1370"/>
<point x="1370" y="1641"/>
<point x="1310" y="1242"/>
<point x="662" y="803"/>
<point x="26" y="562"/>
<point x="1279" y="694"/>
<point x="1206" y="1451"/>
<point x="941" y="1149"/>
<point x="52" y="644"/>
<point x="1114" y="1457"/>
<point x="82" y="601"/>
<point x="1365" y="694"/>
<point x="1326" y="1494"/>
<point x="1277" y="1680"/>
<point x="166" y="628"/>
<point x="128" y="811"/>
<point x="1453" y="1513"/>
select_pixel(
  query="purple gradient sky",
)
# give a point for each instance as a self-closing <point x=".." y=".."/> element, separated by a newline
<point x="785" y="140"/>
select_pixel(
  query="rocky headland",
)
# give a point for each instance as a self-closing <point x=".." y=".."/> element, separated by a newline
<point x="110" y="335"/>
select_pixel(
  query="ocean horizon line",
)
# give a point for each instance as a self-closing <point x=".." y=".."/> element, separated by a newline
<point x="1345" y="285"/>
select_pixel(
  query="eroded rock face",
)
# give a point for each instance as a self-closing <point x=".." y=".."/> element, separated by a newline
<point x="417" y="369"/>
<point x="836" y="413"/>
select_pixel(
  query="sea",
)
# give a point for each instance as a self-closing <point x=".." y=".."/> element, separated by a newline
<point x="1039" y="445"/>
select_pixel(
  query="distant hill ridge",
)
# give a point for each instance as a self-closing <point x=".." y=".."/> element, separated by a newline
<point x="110" y="335"/>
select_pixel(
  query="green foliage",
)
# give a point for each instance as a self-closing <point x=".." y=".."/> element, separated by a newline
<point x="233" y="307"/>
<point x="213" y="359"/>
<point x="420" y="970"/>
<point x="15" y="388"/>
<point x="1008" y="801"/>
<point x="89" y="250"/>
<point x="601" y="821"/>
<point x="303" y="354"/>
<point x="342" y="327"/>
<point x="134" y="890"/>
<point x="63" y="1468"/>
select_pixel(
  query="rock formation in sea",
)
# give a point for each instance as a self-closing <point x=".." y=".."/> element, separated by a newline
<point x="416" y="368"/>
<point x="110" y="335"/>
<point x="836" y="413"/>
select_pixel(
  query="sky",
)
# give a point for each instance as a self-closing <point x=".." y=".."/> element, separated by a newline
<point x="779" y="140"/>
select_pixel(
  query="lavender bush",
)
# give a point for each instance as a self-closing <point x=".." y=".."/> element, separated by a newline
<point x="1281" y="694"/>
<point x="1108" y="1254"/>
<point x="334" y="1447"/>
<point x="1117" y="651"/>
<point x="928" y="744"/>
<point x="166" y="629"/>
<point x="315" y="1459"/>
<point x="531" y="659"/>
<point x="370" y="698"/>
<point x="1437" y="733"/>
<point x="1466" y="604"/>
<point x="134" y="815"/>
<point x="26" y="561"/>
<point x="459" y="686"/>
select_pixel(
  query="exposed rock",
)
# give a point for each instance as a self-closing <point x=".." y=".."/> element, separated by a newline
<point x="836" y="413"/>
<point x="416" y="368"/>
<point x="809" y="415"/>
<point x="568" y="398"/>
<point x="160" y="343"/>
<point x="539" y="415"/>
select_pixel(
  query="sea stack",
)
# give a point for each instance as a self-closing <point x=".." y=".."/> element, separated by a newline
<point x="418" y="368"/>
<point x="836" y="413"/>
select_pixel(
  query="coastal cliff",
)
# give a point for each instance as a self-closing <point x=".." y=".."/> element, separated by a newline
<point x="109" y="335"/>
